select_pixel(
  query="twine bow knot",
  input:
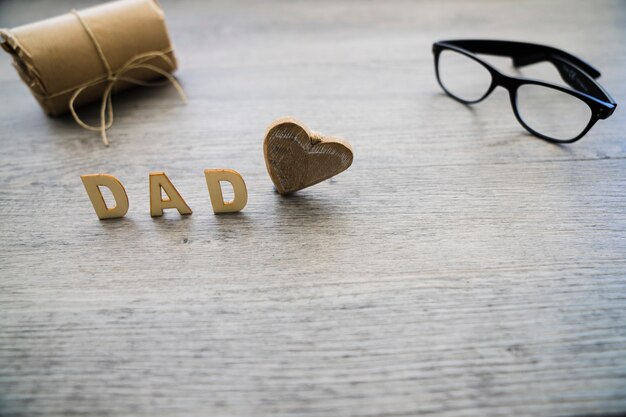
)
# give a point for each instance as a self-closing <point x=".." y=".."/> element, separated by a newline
<point x="141" y="61"/>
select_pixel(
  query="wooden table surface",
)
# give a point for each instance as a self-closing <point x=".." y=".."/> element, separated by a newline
<point x="460" y="267"/>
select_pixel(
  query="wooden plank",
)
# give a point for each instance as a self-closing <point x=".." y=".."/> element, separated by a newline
<point x="460" y="267"/>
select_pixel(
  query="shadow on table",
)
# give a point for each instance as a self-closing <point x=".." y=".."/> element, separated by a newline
<point x="125" y="226"/>
<point x="304" y="211"/>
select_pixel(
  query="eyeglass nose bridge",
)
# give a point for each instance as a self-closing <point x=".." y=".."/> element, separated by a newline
<point x="511" y="84"/>
<point x="501" y="80"/>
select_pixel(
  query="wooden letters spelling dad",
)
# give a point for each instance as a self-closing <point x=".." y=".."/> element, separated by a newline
<point x="295" y="158"/>
<point x="159" y="184"/>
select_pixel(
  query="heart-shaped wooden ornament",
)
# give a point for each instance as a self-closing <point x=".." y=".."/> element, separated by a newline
<point x="297" y="158"/>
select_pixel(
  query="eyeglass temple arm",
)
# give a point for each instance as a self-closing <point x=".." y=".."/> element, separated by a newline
<point x="555" y="56"/>
<point x="569" y="67"/>
<point x="578" y="79"/>
<point x="522" y="53"/>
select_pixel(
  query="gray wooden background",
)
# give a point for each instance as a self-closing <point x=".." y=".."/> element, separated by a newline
<point x="460" y="267"/>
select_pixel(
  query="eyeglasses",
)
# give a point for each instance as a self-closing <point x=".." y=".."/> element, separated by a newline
<point x="549" y="111"/>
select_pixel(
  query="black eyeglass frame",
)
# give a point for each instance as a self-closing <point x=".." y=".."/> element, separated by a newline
<point x="574" y="71"/>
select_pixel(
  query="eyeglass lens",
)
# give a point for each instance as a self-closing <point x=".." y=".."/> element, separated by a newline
<point x="462" y="76"/>
<point x="551" y="112"/>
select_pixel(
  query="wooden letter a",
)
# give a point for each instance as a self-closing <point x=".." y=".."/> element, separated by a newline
<point x="158" y="182"/>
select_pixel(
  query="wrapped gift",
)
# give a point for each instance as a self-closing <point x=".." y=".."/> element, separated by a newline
<point x="83" y="56"/>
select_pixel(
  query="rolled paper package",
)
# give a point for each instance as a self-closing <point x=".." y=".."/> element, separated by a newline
<point x="111" y="47"/>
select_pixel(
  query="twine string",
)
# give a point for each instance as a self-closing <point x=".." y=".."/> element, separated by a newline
<point x="140" y="61"/>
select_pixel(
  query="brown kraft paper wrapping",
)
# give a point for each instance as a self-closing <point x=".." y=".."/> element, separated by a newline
<point x="57" y="57"/>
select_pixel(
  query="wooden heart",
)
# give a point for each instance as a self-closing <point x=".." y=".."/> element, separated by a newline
<point x="297" y="158"/>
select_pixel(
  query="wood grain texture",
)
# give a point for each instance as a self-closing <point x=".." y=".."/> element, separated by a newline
<point x="495" y="286"/>
<point x="297" y="158"/>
